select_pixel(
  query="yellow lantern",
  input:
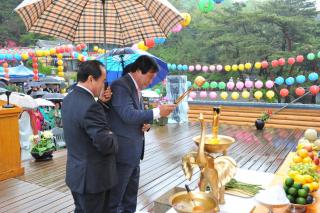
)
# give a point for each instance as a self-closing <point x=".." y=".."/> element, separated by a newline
<point x="63" y="90"/>
<point x="257" y="65"/>
<point x="258" y="95"/>
<point x="248" y="66"/>
<point x="60" y="62"/>
<point x="53" y="51"/>
<point x="80" y="57"/>
<point x="227" y="68"/>
<point x="186" y="19"/>
<point x="235" y="67"/>
<point x="24" y="56"/>
<point x="245" y="94"/>
<point x="39" y="53"/>
<point x="235" y="95"/>
<point x="96" y="48"/>
<point x="60" y="56"/>
<point x="241" y="67"/>
<point x="270" y="94"/>
<point x="224" y="95"/>
<point x="61" y="74"/>
<point x="46" y="52"/>
<point x="142" y="46"/>
<point x="60" y="68"/>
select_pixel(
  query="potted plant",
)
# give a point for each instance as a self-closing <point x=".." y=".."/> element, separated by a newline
<point x="260" y="122"/>
<point x="42" y="146"/>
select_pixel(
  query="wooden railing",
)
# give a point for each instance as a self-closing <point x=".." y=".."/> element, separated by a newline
<point x="241" y="115"/>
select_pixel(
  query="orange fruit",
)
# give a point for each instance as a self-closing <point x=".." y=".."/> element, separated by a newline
<point x="307" y="160"/>
<point x="315" y="186"/>
<point x="303" y="153"/>
<point x="308" y="179"/>
<point x="297" y="159"/>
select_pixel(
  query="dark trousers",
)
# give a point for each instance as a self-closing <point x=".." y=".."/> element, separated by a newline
<point x="123" y="197"/>
<point x="91" y="203"/>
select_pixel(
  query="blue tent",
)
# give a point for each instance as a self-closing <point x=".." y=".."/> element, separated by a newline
<point x="19" y="72"/>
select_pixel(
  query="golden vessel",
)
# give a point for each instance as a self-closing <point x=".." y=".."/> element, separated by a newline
<point x="215" y="172"/>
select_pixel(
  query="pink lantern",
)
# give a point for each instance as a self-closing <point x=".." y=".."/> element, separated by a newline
<point x="258" y="84"/>
<point x="176" y="28"/>
<point x="203" y="94"/>
<point x="300" y="58"/>
<point x="230" y="85"/>
<point x="282" y="62"/>
<point x="191" y="68"/>
<point x="219" y="68"/>
<point x="248" y="84"/>
<point x="193" y="95"/>
<point x="212" y="68"/>
<point x="264" y="64"/>
<point x="205" y="68"/>
<point x="198" y="67"/>
<point x="291" y="60"/>
<point x="213" y="95"/>
<point x="274" y="63"/>
<point x="269" y="84"/>
<point x="239" y="85"/>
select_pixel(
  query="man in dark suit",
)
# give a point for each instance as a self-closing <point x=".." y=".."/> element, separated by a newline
<point x="91" y="162"/>
<point x="129" y="122"/>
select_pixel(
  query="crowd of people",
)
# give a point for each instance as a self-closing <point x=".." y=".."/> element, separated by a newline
<point x="105" y="137"/>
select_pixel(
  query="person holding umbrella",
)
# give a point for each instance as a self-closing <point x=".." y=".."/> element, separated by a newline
<point x="129" y="122"/>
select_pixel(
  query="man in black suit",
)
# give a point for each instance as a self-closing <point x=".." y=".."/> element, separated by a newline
<point x="129" y="122"/>
<point x="91" y="162"/>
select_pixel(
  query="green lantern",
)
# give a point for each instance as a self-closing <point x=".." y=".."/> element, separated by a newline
<point x="318" y="54"/>
<point x="213" y="85"/>
<point x="206" y="6"/>
<point x="195" y="86"/>
<point x="222" y="85"/>
<point x="311" y="56"/>
<point x="206" y="85"/>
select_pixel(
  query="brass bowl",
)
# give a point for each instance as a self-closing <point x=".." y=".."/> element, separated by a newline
<point x="224" y="143"/>
<point x="182" y="203"/>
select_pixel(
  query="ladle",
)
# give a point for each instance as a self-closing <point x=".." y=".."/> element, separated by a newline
<point x="195" y="207"/>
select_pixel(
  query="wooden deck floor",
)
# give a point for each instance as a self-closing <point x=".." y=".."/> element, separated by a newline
<point x="42" y="188"/>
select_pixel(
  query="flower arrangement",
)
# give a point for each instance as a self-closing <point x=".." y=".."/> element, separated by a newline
<point x="266" y="115"/>
<point x="42" y="143"/>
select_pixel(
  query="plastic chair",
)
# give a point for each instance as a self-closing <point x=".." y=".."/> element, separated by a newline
<point x="58" y="137"/>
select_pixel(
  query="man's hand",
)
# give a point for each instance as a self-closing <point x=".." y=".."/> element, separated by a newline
<point x="145" y="127"/>
<point x="106" y="95"/>
<point x="166" y="109"/>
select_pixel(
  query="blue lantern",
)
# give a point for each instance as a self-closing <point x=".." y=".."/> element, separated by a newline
<point x="313" y="76"/>
<point x="84" y="53"/>
<point x="75" y="54"/>
<point x="289" y="81"/>
<point x="179" y="67"/>
<point x="185" y="67"/>
<point x="9" y="57"/>
<point x="169" y="66"/>
<point x="17" y="57"/>
<point x="2" y="56"/>
<point x="173" y="66"/>
<point x="300" y="79"/>
<point x="279" y="80"/>
<point x="217" y="1"/>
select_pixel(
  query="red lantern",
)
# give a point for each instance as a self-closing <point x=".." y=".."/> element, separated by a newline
<point x="5" y="65"/>
<point x="34" y="59"/>
<point x="282" y="62"/>
<point x="274" y="63"/>
<point x="314" y="89"/>
<point x="150" y="42"/>
<point x="300" y="58"/>
<point x="300" y="91"/>
<point x="36" y="77"/>
<point x="291" y="60"/>
<point x="6" y="75"/>
<point x="78" y="48"/>
<point x="83" y="45"/>
<point x="35" y="65"/>
<point x="67" y="49"/>
<point x="31" y="54"/>
<point x="264" y="64"/>
<point x="35" y="71"/>
<point x="284" y="92"/>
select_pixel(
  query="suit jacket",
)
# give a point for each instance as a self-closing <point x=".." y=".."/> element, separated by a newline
<point x="91" y="162"/>
<point x="127" y="117"/>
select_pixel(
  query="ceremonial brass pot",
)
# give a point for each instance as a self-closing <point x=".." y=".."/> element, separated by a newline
<point x="224" y="143"/>
<point x="182" y="203"/>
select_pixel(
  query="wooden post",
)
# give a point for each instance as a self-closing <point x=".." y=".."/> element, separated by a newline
<point x="10" y="154"/>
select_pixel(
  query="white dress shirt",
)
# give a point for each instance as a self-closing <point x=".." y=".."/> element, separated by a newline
<point x="89" y="91"/>
<point x="156" y="111"/>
